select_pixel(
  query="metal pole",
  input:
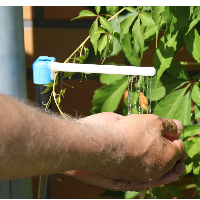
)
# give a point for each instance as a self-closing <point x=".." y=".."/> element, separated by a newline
<point x="42" y="76"/>
<point x="13" y="82"/>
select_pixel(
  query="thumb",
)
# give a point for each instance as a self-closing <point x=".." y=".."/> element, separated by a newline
<point x="172" y="128"/>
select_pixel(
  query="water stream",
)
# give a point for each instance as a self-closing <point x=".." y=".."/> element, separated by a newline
<point x="141" y="101"/>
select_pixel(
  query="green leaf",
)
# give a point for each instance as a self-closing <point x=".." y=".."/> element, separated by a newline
<point x="146" y="19"/>
<point x="177" y="70"/>
<point x="126" y="23"/>
<point x="157" y="13"/>
<point x="130" y="9"/>
<point x="166" y="107"/>
<point x="102" y="43"/>
<point x="196" y="93"/>
<point x="108" y="97"/>
<point x="106" y="24"/>
<point x="68" y="74"/>
<point x="183" y="110"/>
<point x="97" y="8"/>
<point x="196" y="172"/>
<point x="94" y="40"/>
<point x="130" y="194"/>
<point x="94" y="35"/>
<point x="164" y="55"/>
<point x="94" y="27"/>
<point x="174" y="191"/>
<point x="112" y="9"/>
<point x="138" y="35"/>
<point x="197" y="11"/>
<point x="49" y="87"/>
<point x="165" y="85"/>
<point x="110" y="78"/>
<point x="190" y="130"/>
<point x="182" y="15"/>
<point x="116" y="44"/>
<point x="192" y="24"/>
<point x="192" y="148"/>
<point x="150" y="31"/>
<point x="192" y="41"/>
<point x="129" y="51"/>
<point x="84" y="13"/>
<point x="196" y="112"/>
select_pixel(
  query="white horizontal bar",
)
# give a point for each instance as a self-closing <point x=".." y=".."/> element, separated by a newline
<point x="102" y="69"/>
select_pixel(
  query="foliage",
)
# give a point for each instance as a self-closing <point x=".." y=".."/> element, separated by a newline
<point x="173" y="88"/>
<point x="131" y="30"/>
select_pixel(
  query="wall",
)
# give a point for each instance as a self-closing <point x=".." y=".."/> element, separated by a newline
<point x="48" y="31"/>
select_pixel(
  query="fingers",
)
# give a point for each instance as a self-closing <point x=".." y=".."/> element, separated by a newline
<point x="183" y="158"/>
<point x="172" y="128"/>
<point x="168" y="178"/>
<point x="97" y="180"/>
<point x="179" y="168"/>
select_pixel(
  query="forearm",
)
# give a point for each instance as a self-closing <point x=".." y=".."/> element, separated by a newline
<point x="33" y="143"/>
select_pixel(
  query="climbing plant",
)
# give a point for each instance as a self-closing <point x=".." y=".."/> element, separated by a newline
<point x="131" y="30"/>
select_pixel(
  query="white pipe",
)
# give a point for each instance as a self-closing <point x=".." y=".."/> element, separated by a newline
<point x="102" y="69"/>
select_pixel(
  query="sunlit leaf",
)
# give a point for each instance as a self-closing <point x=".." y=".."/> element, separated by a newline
<point x="157" y="13"/>
<point x="130" y="194"/>
<point x="130" y="51"/>
<point x="94" y="35"/>
<point x="110" y="78"/>
<point x="126" y="23"/>
<point x="164" y="55"/>
<point x="138" y="35"/>
<point x="112" y="9"/>
<point x="108" y="97"/>
<point x="183" y="110"/>
<point x="196" y="93"/>
<point x="192" y="148"/>
<point x="84" y="13"/>
<point x="97" y="8"/>
<point x="190" y="130"/>
<point x="146" y="19"/>
<point x="192" y="24"/>
<point x="106" y="24"/>
<point x="166" y="108"/>
<point x="94" y="27"/>
<point x="102" y="43"/>
<point x="165" y="85"/>
<point x="192" y="41"/>
<point x="130" y="9"/>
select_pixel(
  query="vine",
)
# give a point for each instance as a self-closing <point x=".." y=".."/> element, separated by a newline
<point x="83" y="51"/>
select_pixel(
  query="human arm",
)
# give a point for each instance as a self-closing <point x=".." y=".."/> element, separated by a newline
<point x="33" y="143"/>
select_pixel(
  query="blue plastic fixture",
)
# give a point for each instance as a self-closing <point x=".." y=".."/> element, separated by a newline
<point x="41" y="70"/>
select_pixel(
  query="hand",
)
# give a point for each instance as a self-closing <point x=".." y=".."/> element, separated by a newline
<point x="139" y="134"/>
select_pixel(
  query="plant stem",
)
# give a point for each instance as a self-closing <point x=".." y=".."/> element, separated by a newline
<point x="54" y="95"/>
<point x="83" y="43"/>
<point x="67" y="60"/>
<point x="190" y="63"/>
